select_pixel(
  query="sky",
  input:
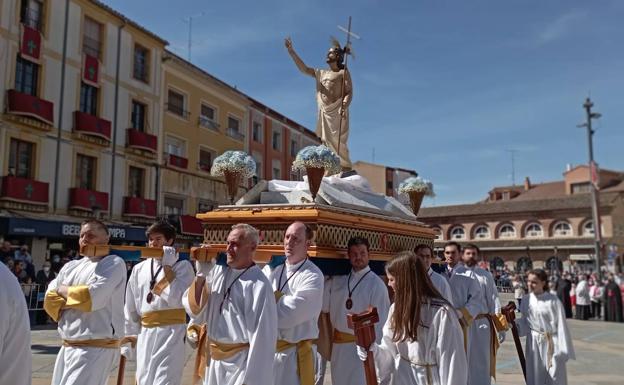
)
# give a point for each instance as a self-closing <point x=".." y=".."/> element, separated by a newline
<point x="446" y="88"/>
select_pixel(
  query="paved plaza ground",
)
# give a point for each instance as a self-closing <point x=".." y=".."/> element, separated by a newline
<point x="599" y="350"/>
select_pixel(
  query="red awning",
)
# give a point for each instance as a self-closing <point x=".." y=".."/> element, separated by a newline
<point x="191" y="225"/>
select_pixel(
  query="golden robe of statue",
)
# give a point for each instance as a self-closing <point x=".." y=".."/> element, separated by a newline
<point x="334" y="91"/>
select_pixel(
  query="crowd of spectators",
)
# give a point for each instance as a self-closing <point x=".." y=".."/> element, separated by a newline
<point x="34" y="283"/>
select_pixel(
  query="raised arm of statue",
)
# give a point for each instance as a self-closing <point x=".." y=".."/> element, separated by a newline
<point x="300" y="64"/>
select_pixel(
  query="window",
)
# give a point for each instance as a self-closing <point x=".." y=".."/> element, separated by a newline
<point x="31" y="14"/>
<point x="92" y="38"/>
<point x="88" y="99"/>
<point x="588" y="229"/>
<point x="259" y="174"/>
<point x="208" y="117"/>
<point x="174" y="146"/>
<point x="534" y="230"/>
<point x="85" y="171"/>
<point x="205" y="159"/>
<point x="204" y="206"/>
<point x="141" y="61"/>
<point x="562" y="229"/>
<point x="21" y="156"/>
<point x="173" y="206"/>
<point x="138" y="116"/>
<point x="277" y="173"/>
<point x="506" y="195"/>
<point x="482" y="232"/>
<point x="580" y="188"/>
<point x="458" y="233"/>
<point x="507" y="231"/>
<point x="26" y="76"/>
<point x="175" y="103"/>
<point x="256" y="132"/>
<point x="136" y="176"/>
<point x="438" y="234"/>
<point x="234" y="128"/>
<point x="277" y="140"/>
<point x="276" y="169"/>
<point x="294" y="148"/>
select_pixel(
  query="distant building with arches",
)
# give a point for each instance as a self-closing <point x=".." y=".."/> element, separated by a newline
<point x="538" y="225"/>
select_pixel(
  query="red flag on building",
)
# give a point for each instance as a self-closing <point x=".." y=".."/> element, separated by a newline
<point x="30" y="47"/>
<point x="91" y="70"/>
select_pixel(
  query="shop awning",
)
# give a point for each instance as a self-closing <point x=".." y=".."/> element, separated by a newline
<point x="581" y="257"/>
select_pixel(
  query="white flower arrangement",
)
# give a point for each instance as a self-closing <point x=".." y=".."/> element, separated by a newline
<point x="317" y="157"/>
<point x="416" y="184"/>
<point x="235" y="162"/>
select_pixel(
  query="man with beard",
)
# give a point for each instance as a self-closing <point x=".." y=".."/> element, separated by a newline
<point x="483" y="340"/>
<point x="612" y="301"/>
<point x="334" y="91"/>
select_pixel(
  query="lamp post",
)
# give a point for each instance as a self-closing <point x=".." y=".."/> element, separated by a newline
<point x="593" y="175"/>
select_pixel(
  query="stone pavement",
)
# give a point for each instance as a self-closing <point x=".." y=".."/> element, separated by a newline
<point x="599" y="350"/>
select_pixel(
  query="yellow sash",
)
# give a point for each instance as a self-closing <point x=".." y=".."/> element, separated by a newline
<point x="342" y="338"/>
<point x="465" y="323"/>
<point x="107" y="343"/>
<point x="153" y="319"/>
<point x="305" y="359"/>
<point x="201" y="361"/>
<point x="494" y="344"/>
<point x="221" y="351"/>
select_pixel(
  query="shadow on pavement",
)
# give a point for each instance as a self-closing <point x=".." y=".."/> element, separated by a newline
<point x="44" y="349"/>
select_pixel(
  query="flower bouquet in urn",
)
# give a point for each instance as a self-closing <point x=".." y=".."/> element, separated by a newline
<point x="316" y="160"/>
<point x="416" y="189"/>
<point x="234" y="166"/>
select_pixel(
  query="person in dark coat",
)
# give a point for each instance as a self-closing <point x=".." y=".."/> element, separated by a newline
<point x="612" y="301"/>
<point x="563" y="286"/>
<point x="43" y="279"/>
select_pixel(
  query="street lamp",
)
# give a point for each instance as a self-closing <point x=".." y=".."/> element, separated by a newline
<point x="593" y="179"/>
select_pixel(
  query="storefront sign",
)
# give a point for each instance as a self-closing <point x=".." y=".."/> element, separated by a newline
<point x="35" y="227"/>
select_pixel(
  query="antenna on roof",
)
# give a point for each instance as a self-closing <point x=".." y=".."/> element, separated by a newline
<point x="189" y="20"/>
<point x="512" y="152"/>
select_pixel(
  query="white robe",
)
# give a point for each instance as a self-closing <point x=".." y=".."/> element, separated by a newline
<point x="160" y="354"/>
<point x="106" y="280"/>
<point x="440" y="344"/>
<point x="441" y="284"/>
<point x="544" y="313"/>
<point x="248" y="316"/>
<point x="346" y="367"/>
<point x="480" y="334"/>
<point x="15" y="356"/>
<point x="297" y="313"/>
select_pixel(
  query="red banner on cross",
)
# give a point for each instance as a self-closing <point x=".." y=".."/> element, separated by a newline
<point x="30" y="46"/>
<point x="90" y="70"/>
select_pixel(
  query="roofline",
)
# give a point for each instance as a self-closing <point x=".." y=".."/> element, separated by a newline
<point x="202" y="72"/>
<point x="269" y="111"/>
<point x="128" y="21"/>
<point x="386" y="166"/>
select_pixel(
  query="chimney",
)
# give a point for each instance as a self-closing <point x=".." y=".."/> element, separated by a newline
<point x="527" y="184"/>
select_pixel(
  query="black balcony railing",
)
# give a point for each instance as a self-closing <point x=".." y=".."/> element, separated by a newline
<point x="177" y="110"/>
<point x="91" y="46"/>
<point x="234" y="133"/>
<point x="32" y="18"/>
<point x="206" y="122"/>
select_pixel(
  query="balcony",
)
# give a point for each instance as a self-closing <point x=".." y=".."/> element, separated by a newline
<point x="176" y="161"/>
<point x="87" y="200"/>
<point x="177" y="110"/>
<point x="141" y="140"/>
<point x="208" y="123"/>
<point x="139" y="207"/>
<point x="24" y="191"/>
<point x="234" y="133"/>
<point x="90" y="125"/>
<point x="31" y="107"/>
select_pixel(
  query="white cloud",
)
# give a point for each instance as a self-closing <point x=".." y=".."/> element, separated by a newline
<point x="561" y="26"/>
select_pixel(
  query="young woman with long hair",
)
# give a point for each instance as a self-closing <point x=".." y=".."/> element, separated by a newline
<point x="422" y="340"/>
<point x="548" y="342"/>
